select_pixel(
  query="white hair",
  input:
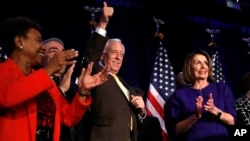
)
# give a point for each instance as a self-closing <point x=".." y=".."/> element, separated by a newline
<point x="110" y="41"/>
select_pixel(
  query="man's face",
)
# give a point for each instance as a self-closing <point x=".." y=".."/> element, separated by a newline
<point x="113" y="58"/>
<point x="52" y="48"/>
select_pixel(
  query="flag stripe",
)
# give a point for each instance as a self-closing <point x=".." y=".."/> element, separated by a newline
<point x="151" y="111"/>
<point x="156" y="106"/>
<point x="161" y="86"/>
<point x="156" y="114"/>
<point x="156" y="101"/>
<point x="154" y="92"/>
<point x="164" y="135"/>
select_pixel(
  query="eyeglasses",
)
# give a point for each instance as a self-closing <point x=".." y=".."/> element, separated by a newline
<point x="52" y="50"/>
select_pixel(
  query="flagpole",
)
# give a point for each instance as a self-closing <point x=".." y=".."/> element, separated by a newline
<point x="162" y="83"/>
<point x="92" y="11"/>
<point x="158" y="22"/>
<point x="217" y="68"/>
<point x="93" y="25"/>
<point x="212" y="32"/>
<point x="92" y="22"/>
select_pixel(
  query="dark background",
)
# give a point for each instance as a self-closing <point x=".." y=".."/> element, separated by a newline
<point x="184" y="31"/>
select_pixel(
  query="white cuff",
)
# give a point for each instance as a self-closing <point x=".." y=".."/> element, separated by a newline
<point x="141" y="118"/>
<point x="101" y="31"/>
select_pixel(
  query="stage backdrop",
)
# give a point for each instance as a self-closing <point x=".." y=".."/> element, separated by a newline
<point x="184" y="31"/>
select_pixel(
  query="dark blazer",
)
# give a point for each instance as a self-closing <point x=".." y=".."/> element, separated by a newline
<point x="111" y="110"/>
<point x="150" y="129"/>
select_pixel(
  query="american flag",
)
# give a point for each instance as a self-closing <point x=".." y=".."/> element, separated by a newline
<point x="217" y="68"/>
<point x="161" y="86"/>
<point x="2" y="55"/>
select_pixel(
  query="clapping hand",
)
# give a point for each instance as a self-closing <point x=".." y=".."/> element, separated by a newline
<point x="60" y="60"/>
<point x="87" y="81"/>
<point x="199" y="107"/>
<point x="66" y="79"/>
<point x="210" y="107"/>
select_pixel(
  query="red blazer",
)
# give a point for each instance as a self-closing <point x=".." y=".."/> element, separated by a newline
<point x="18" y="111"/>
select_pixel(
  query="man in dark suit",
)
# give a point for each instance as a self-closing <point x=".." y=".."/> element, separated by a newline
<point x="62" y="79"/>
<point x="117" y="108"/>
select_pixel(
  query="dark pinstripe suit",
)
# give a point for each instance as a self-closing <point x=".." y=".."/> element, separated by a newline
<point x="112" y="111"/>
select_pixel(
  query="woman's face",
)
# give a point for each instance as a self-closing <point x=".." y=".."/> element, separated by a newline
<point x="200" y="67"/>
<point x="33" y="48"/>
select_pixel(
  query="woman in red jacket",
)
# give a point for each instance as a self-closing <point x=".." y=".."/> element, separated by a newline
<point x="31" y="106"/>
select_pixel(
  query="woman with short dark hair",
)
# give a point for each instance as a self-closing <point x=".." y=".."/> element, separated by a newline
<point x="31" y="106"/>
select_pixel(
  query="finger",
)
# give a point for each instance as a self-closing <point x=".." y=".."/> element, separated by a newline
<point x="72" y="67"/>
<point x="199" y="99"/>
<point x="104" y="69"/>
<point x="132" y="98"/>
<point x="71" y="62"/>
<point x="89" y="68"/>
<point x="103" y="73"/>
<point x="105" y="4"/>
<point x="70" y="54"/>
<point x="111" y="12"/>
<point x="211" y="96"/>
<point x="70" y="51"/>
<point x="81" y="76"/>
<point x="70" y="71"/>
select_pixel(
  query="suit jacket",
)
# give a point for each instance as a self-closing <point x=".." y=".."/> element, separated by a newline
<point x="150" y="129"/>
<point x="18" y="109"/>
<point x="111" y="110"/>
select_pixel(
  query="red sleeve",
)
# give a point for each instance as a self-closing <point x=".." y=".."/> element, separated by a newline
<point x="73" y="113"/>
<point x="16" y="88"/>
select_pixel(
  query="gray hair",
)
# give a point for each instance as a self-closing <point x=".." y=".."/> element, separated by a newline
<point x="53" y="39"/>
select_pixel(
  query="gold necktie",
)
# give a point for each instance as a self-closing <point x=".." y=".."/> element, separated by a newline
<point x="123" y="88"/>
<point x="126" y="93"/>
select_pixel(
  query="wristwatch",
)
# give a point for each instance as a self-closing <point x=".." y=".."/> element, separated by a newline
<point x="82" y="94"/>
<point x="219" y="114"/>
